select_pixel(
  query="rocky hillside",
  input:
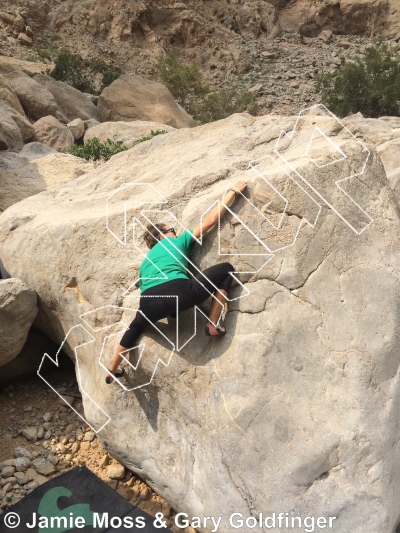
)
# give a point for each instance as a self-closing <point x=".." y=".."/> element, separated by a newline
<point x="269" y="47"/>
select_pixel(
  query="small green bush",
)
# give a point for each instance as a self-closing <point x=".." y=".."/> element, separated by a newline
<point x="152" y="134"/>
<point x="98" y="65"/>
<point x="108" y="77"/>
<point x="370" y="84"/>
<point x="222" y="104"/>
<point x="182" y="79"/>
<point x="43" y="52"/>
<point x="96" y="150"/>
<point x="70" y="68"/>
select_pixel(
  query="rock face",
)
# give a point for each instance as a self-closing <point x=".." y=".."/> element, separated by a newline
<point x="134" y="98"/>
<point x="15" y="129"/>
<point x="36" y="100"/>
<point x="28" y="173"/>
<point x="18" y="310"/>
<point x="295" y="409"/>
<point x="8" y="95"/>
<point x="371" y="17"/>
<point x="71" y="102"/>
<point x="389" y="152"/>
<point x="384" y="132"/>
<point x="50" y="131"/>
<point x="126" y="132"/>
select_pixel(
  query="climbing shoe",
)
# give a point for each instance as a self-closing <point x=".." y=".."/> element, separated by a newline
<point x="110" y="377"/>
<point x="215" y="331"/>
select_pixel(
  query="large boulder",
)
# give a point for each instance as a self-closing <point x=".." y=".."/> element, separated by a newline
<point x="295" y="409"/>
<point x="15" y="129"/>
<point x="50" y="131"/>
<point x="71" y="102"/>
<point x="18" y="309"/>
<point x="36" y="100"/>
<point x="126" y="132"/>
<point x="377" y="130"/>
<point x="28" y="360"/>
<point x="29" y="172"/>
<point x="12" y="67"/>
<point x="134" y="98"/>
<point x="8" y="95"/>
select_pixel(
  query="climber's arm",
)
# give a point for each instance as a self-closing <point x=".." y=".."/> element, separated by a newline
<point x="220" y="209"/>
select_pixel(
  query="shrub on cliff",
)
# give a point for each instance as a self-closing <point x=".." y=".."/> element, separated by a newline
<point x="222" y="104"/>
<point x="95" y="150"/>
<point x="370" y="84"/>
<point x="70" y="68"/>
<point x="184" y="80"/>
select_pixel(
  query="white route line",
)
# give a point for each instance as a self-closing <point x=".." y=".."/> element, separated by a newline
<point x="56" y="363"/>
<point x="291" y="136"/>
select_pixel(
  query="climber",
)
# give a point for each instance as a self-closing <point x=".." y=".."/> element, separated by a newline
<point x="155" y="293"/>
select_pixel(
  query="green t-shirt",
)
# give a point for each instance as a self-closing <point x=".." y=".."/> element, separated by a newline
<point x="169" y="255"/>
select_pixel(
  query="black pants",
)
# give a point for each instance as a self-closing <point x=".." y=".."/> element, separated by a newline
<point x="156" y="303"/>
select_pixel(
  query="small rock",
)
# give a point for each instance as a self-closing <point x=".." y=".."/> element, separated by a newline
<point x="136" y="492"/>
<point x="22" y="452"/>
<point x="47" y="417"/>
<point x="268" y="55"/>
<point x="66" y="397"/>
<point x="116" y="471"/>
<point x="145" y="494"/>
<point x="30" y="433"/>
<point x="255" y="89"/>
<point x="60" y="448"/>
<point x="7" y="487"/>
<point x="75" y="447"/>
<point x="64" y="440"/>
<point x="326" y="36"/>
<point x="7" y="471"/>
<point x="104" y="461"/>
<point x="40" y="433"/>
<point x="24" y="39"/>
<point x="77" y="128"/>
<point x="47" y="434"/>
<point x="344" y="44"/>
<point x="69" y="429"/>
<point x="43" y="467"/>
<point x="89" y="436"/>
<point x="21" y="464"/>
<point x="38" y="479"/>
<point x="53" y="459"/>
<point x="79" y="434"/>
<point x="34" y="484"/>
<point x="23" y="480"/>
<point x="28" y="408"/>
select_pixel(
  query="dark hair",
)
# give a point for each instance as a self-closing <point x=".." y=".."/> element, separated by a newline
<point x="151" y="236"/>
